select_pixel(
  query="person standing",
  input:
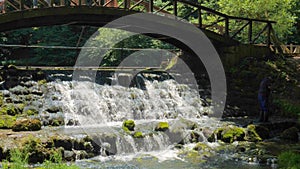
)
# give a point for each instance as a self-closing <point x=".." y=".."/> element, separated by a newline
<point x="2" y="6"/>
<point x="263" y="98"/>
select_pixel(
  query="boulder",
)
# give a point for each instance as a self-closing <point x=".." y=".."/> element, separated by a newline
<point x="162" y="126"/>
<point x="256" y="133"/>
<point x="138" y="134"/>
<point x="228" y="134"/>
<point x="290" y="134"/>
<point x="9" y="109"/>
<point x="27" y="125"/>
<point x="128" y="125"/>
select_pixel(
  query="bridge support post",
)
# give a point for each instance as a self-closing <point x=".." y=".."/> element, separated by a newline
<point x="200" y="17"/>
<point x="269" y="34"/>
<point x="227" y="27"/>
<point x="126" y="4"/>
<point x="250" y="32"/>
<point x="151" y="6"/>
<point x="21" y="5"/>
<point x="175" y="7"/>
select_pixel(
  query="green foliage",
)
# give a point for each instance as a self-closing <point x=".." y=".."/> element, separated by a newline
<point x="281" y="11"/>
<point x="19" y="159"/>
<point x="56" y="162"/>
<point x="289" y="160"/>
<point x="288" y="107"/>
<point x="7" y="122"/>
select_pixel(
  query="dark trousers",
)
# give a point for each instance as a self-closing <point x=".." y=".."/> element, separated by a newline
<point x="263" y="103"/>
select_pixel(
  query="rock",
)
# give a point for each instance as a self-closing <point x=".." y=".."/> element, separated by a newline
<point x="57" y="121"/>
<point x="9" y="109"/>
<point x="128" y="125"/>
<point x="1" y="154"/>
<point x="201" y="147"/>
<point x="7" y="122"/>
<point x="252" y="135"/>
<point x="19" y="90"/>
<point x="138" y="134"/>
<point x="27" y="125"/>
<point x="290" y="134"/>
<point x="53" y="109"/>
<point x="228" y="134"/>
<point x="66" y="143"/>
<point x="30" y="111"/>
<point x="162" y="126"/>
<point x="69" y="155"/>
<point x="233" y="134"/>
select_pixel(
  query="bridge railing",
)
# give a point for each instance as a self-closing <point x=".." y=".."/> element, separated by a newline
<point x="238" y="28"/>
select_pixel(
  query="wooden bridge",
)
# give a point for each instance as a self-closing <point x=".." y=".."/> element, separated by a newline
<point x="219" y="27"/>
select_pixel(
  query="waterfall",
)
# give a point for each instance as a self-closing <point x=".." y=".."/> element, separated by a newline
<point x="106" y="107"/>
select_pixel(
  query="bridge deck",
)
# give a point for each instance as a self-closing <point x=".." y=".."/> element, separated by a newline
<point x="222" y="25"/>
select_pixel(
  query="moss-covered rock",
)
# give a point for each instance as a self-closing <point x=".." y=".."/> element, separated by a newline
<point x="138" y="134"/>
<point x="128" y="125"/>
<point x="201" y="147"/>
<point x="162" y="126"/>
<point x="31" y="112"/>
<point x="233" y="134"/>
<point x="27" y="125"/>
<point x="252" y="133"/>
<point x="59" y="121"/>
<point x="7" y="122"/>
<point x="9" y="109"/>
<point x="65" y="142"/>
<point x="290" y="134"/>
<point x="228" y="134"/>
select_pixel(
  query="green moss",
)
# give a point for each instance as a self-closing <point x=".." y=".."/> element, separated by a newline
<point x="252" y="134"/>
<point x="138" y="134"/>
<point x="7" y="122"/>
<point x="128" y="125"/>
<point x="162" y="126"/>
<point x="27" y="125"/>
<point x="9" y="109"/>
<point x="233" y="134"/>
<point x="31" y="112"/>
<point x="201" y="147"/>
<point x="42" y="82"/>
<point x="289" y="160"/>
<point x="227" y="134"/>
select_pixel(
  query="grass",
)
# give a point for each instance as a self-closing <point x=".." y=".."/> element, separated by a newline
<point x="19" y="160"/>
<point x="289" y="160"/>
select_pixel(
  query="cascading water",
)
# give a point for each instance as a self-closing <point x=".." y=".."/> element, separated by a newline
<point x="103" y="108"/>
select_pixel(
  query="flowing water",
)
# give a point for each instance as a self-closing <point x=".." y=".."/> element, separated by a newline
<point x="100" y="110"/>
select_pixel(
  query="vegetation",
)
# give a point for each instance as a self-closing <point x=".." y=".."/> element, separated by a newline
<point x="289" y="160"/>
<point x="7" y="122"/>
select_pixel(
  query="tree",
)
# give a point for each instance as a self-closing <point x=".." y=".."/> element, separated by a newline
<point x="276" y="10"/>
